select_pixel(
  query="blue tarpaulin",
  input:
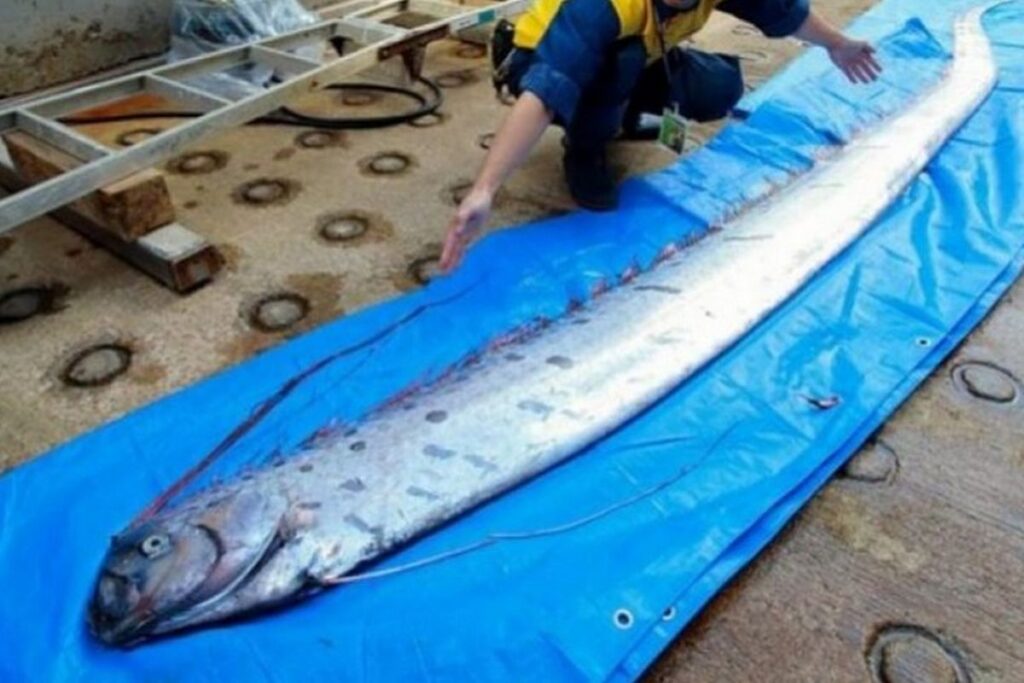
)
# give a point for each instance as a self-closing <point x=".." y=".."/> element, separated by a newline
<point x="738" y="446"/>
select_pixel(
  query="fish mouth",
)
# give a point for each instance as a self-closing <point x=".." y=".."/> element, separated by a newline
<point x="114" y="629"/>
<point x="143" y="622"/>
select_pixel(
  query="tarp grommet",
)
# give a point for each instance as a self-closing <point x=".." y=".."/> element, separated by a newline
<point x="623" y="619"/>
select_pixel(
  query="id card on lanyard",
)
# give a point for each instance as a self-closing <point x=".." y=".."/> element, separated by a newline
<point x="672" y="132"/>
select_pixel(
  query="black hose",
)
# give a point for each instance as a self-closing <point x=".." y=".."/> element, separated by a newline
<point x="428" y="104"/>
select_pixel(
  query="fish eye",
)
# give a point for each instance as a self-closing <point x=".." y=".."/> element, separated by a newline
<point x="155" y="545"/>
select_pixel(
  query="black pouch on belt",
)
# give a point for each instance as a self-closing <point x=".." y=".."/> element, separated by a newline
<point x="502" y="48"/>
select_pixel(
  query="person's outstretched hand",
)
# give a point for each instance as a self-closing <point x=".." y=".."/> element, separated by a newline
<point x="856" y="59"/>
<point x="469" y="218"/>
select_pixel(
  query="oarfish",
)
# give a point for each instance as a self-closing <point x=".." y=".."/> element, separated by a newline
<point x="301" y="524"/>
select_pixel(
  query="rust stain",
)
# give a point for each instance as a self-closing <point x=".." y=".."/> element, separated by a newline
<point x="148" y="373"/>
<point x="323" y="290"/>
<point x="132" y="104"/>
<point x="514" y="209"/>
<point x="231" y="256"/>
<point x="5" y="244"/>
<point x="245" y="346"/>
<point x="284" y="153"/>
<point x="847" y="519"/>
<point x="508" y="208"/>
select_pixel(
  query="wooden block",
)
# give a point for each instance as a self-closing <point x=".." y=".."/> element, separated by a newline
<point x="128" y="208"/>
<point x="171" y="254"/>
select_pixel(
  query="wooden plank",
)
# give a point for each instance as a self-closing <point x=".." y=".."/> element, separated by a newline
<point x="128" y="208"/>
<point x="173" y="255"/>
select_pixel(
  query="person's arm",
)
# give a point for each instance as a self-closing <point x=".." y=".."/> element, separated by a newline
<point x="855" y="58"/>
<point x="780" y="18"/>
<point x="513" y="142"/>
<point x="565" y="63"/>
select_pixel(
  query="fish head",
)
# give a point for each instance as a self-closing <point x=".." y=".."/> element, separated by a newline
<point x="176" y="569"/>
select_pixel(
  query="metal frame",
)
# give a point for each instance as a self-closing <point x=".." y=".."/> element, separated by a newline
<point x="359" y="23"/>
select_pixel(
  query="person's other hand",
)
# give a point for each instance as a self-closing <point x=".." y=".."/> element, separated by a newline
<point x="470" y="217"/>
<point x="856" y="59"/>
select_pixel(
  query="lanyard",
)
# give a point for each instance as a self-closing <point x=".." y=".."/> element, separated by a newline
<point x="673" y="86"/>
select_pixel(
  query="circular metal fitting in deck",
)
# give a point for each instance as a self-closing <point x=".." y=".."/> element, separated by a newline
<point x="198" y="163"/>
<point x="358" y="98"/>
<point x="97" y="365"/>
<point x="907" y="653"/>
<point x="266" y="191"/>
<point x="428" y="120"/>
<point x="390" y="163"/>
<point x="278" y="311"/>
<point x="318" y="139"/>
<point x="23" y="303"/>
<point x="424" y="269"/>
<point x="136" y="135"/>
<point x="986" y="381"/>
<point x="456" y="79"/>
<point x="875" y="463"/>
<point x="343" y="226"/>
<point x="467" y="50"/>
<point x="456" y="192"/>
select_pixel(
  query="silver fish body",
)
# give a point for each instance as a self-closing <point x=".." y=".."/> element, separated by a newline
<point x="303" y="523"/>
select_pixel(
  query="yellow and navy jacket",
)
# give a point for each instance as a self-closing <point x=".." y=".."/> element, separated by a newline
<point x="570" y="39"/>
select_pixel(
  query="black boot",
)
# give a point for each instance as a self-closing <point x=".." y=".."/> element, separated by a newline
<point x="589" y="178"/>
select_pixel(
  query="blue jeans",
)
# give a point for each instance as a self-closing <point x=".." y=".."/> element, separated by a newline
<point x="704" y="86"/>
